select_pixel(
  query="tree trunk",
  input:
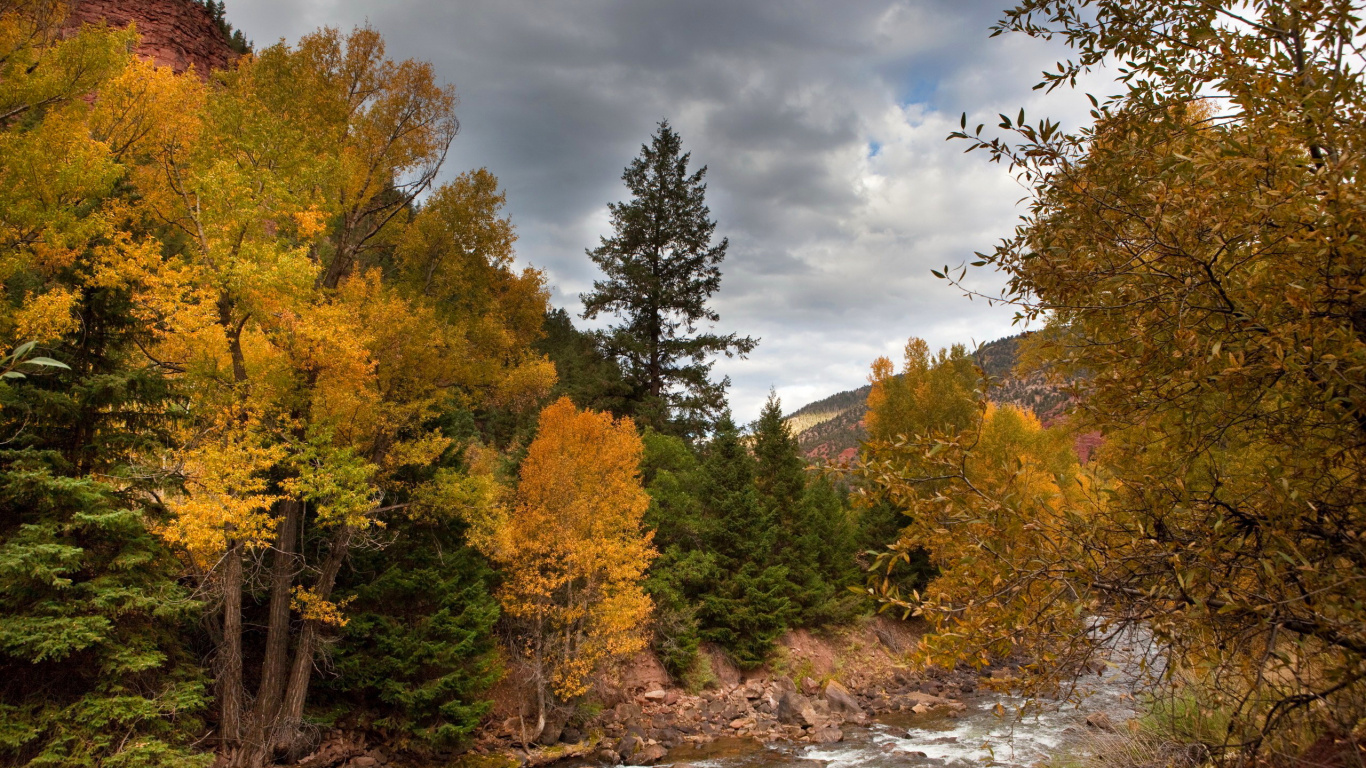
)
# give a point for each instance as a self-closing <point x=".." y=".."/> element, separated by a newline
<point x="276" y="664"/>
<point x="229" y="682"/>
<point x="257" y="748"/>
<point x="291" y="712"/>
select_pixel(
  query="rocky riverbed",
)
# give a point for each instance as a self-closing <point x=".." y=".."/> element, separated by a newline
<point x="658" y="724"/>
<point x="866" y="709"/>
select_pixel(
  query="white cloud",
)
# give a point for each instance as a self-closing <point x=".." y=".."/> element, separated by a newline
<point x="823" y="125"/>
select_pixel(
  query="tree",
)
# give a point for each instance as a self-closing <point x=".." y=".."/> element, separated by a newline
<point x="418" y="653"/>
<point x="1191" y="255"/>
<point x="814" y="538"/>
<point x="661" y="268"/>
<point x="932" y="395"/>
<point x="343" y="319"/>
<point x="748" y="606"/>
<point x="94" y="655"/>
<point x="573" y="553"/>
<point x="586" y="375"/>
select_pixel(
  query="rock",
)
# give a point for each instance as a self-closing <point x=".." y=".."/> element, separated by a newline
<point x="925" y="698"/>
<point x="570" y="735"/>
<point x="827" y="734"/>
<point x="656" y="695"/>
<point x="742" y="722"/>
<point x="1100" y="721"/>
<point x="920" y="709"/>
<point x="550" y="734"/>
<point x="840" y="700"/>
<point x="810" y="687"/>
<point x="671" y="698"/>
<point x="794" y="708"/>
<point x="651" y="754"/>
<point x="174" y="33"/>
<point x="626" y="712"/>
<point x="364" y="761"/>
<point x="629" y="745"/>
<point x="608" y="756"/>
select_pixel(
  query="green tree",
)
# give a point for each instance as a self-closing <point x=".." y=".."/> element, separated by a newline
<point x="815" y="539"/>
<point x="685" y="567"/>
<point x="661" y="268"/>
<point x="418" y="655"/>
<point x="748" y="606"/>
<point x="94" y="627"/>
<point x="587" y="375"/>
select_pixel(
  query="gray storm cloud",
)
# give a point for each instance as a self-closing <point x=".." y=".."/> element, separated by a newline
<point x="823" y="125"/>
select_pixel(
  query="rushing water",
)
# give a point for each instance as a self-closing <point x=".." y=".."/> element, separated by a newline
<point x="989" y="732"/>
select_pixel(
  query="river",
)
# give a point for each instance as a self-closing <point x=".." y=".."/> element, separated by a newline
<point x="990" y="732"/>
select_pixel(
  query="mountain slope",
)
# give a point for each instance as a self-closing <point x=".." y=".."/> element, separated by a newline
<point x="831" y="429"/>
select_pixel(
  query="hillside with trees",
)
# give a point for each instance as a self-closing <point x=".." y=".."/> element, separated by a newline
<point x="833" y="428"/>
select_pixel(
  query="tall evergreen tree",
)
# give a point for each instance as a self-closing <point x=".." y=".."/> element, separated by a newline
<point x="94" y="665"/>
<point x="661" y="268"/>
<point x="817" y="542"/>
<point x="749" y="604"/>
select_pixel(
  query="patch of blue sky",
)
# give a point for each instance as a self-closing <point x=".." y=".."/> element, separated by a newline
<point x="919" y="90"/>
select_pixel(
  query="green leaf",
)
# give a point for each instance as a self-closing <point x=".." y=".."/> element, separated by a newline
<point x="47" y="362"/>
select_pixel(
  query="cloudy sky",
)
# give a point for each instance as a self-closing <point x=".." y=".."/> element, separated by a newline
<point x="823" y="124"/>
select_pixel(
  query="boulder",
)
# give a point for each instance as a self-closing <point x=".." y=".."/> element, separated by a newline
<point x="671" y="698"/>
<point x="551" y="733"/>
<point x="795" y="709"/>
<point x="840" y="699"/>
<point x="924" y="698"/>
<point x="629" y="745"/>
<point x="571" y="735"/>
<point x="608" y="756"/>
<point x="810" y="687"/>
<point x="626" y="712"/>
<point x="827" y="734"/>
<point x="651" y="754"/>
<point x="655" y="695"/>
<point x="364" y="761"/>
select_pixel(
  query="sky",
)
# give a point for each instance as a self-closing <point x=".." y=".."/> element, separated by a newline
<point x="822" y="124"/>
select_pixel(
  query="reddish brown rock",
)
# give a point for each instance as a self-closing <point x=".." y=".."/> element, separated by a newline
<point x="175" y="33"/>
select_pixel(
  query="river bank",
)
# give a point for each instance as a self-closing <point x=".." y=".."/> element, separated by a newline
<point x="817" y="690"/>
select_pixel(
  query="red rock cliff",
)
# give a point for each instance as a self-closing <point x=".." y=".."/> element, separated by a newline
<point x="175" y="33"/>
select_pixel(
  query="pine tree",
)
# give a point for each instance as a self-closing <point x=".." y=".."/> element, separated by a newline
<point x="588" y="377"/>
<point x="816" y="540"/>
<point x="93" y="657"/>
<point x="418" y="653"/>
<point x="749" y="604"/>
<point x="661" y="268"/>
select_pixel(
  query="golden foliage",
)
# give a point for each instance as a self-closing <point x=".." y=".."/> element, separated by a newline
<point x="571" y="548"/>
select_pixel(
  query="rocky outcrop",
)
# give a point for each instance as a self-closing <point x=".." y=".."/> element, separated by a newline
<point x="175" y="33"/>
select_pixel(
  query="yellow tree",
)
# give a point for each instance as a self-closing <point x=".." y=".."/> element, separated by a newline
<point x="1198" y="258"/>
<point x="312" y="392"/>
<point x="573" y="552"/>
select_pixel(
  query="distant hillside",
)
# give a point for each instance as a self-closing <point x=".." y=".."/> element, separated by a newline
<point x="832" y="428"/>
